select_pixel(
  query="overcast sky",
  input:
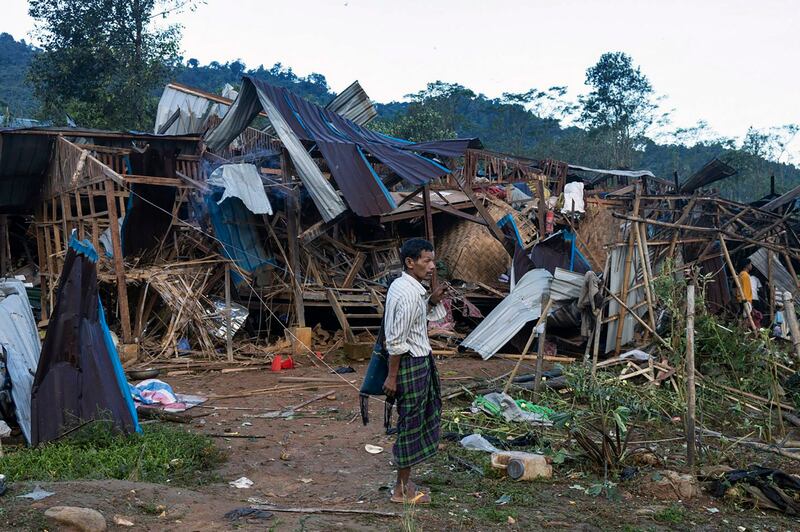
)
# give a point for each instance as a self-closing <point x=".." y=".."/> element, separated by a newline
<point x="733" y="63"/>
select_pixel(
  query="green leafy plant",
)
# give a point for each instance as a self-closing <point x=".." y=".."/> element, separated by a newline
<point x="95" y="451"/>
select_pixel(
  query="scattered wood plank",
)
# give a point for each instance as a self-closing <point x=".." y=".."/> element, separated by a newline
<point x="272" y="508"/>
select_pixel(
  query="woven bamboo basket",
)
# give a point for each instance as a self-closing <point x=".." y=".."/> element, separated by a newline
<point x="469" y="250"/>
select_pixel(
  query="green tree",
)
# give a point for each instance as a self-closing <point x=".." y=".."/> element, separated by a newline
<point x="620" y="107"/>
<point x="450" y="101"/>
<point x="103" y="60"/>
<point x="550" y="104"/>
<point x="418" y="124"/>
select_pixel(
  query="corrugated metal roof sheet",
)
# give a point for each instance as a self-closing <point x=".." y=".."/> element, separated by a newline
<point x="566" y="286"/>
<point x="711" y="172"/>
<point x="616" y="278"/>
<point x="782" y="199"/>
<point x="194" y="110"/>
<point x="781" y="277"/>
<point x="522" y="305"/>
<point x="354" y="104"/>
<point x="20" y="339"/>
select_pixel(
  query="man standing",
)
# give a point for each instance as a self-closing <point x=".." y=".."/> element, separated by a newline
<point x="412" y="379"/>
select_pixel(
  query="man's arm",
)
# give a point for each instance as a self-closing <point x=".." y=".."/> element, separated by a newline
<point x="396" y="325"/>
<point x="390" y="384"/>
<point x="436" y="310"/>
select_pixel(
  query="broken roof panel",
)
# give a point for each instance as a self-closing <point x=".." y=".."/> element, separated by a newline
<point x="711" y="172"/>
<point x="522" y="305"/>
<point x="249" y="103"/>
<point x="19" y="337"/>
<point x="354" y="104"/>
<point x="780" y="275"/>
<point x="192" y="109"/>
<point x="343" y="143"/>
<point x="242" y="181"/>
<point x="782" y="200"/>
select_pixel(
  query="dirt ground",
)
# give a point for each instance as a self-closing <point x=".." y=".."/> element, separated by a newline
<point x="317" y="459"/>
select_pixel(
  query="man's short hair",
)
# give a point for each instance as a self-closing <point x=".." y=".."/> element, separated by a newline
<point x="413" y="249"/>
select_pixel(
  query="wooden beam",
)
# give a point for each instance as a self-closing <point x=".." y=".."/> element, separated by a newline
<point x="457" y="213"/>
<point x="490" y="223"/>
<point x="542" y="317"/>
<point x="541" y="211"/>
<point x="682" y="218"/>
<point x="119" y="264"/>
<point x="337" y="309"/>
<point x="228" y="313"/>
<point x="354" y="269"/>
<point x="152" y="180"/>
<point x="537" y="384"/>
<point x="627" y="273"/>
<point x="292" y="232"/>
<point x="791" y="317"/>
<point x="690" y="386"/>
<point x="739" y="288"/>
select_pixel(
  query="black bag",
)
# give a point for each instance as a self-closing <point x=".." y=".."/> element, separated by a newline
<point x="376" y="374"/>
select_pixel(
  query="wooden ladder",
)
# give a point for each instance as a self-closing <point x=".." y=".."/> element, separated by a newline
<point x="362" y="306"/>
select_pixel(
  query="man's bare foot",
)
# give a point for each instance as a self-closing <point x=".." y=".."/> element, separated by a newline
<point x="409" y="495"/>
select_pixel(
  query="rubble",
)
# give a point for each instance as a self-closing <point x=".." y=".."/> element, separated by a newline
<point x="226" y="247"/>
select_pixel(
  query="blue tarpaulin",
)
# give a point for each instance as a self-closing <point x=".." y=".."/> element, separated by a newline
<point x="235" y="227"/>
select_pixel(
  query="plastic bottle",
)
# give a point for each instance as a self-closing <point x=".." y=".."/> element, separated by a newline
<point x="522" y="466"/>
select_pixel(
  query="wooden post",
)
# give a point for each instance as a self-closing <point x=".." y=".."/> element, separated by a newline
<point x="228" y="312"/>
<point x="541" y="210"/>
<point x="791" y="318"/>
<point x="770" y="291"/>
<point x="483" y="211"/>
<point x="426" y="203"/>
<point x="119" y="265"/>
<point x="292" y="233"/>
<point x="643" y="259"/>
<point x="540" y="348"/>
<point x="43" y="271"/>
<point x="690" y="385"/>
<point x="739" y="289"/>
<point x="627" y="273"/>
<point x="5" y="256"/>
<point x="542" y="317"/>
<point x="684" y="215"/>
<point x="790" y="267"/>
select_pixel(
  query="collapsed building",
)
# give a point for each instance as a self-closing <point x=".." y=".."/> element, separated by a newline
<point x="251" y="212"/>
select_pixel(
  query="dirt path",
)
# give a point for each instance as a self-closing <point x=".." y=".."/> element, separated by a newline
<point x="317" y="459"/>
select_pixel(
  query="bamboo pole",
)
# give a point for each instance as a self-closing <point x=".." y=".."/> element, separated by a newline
<point x="119" y="265"/>
<point x="730" y="235"/>
<point x="542" y="317"/>
<point x="646" y="276"/>
<point x="228" y="313"/>
<point x="640" y="320"/>
<point x="599" y="318"/>
<point x="791" y="317"/>
<point x="685" y="214"/>
<point x="770" y="292"/>
<point x="627" y="273"/>
<point x="690" y="384"/>
<point x="540" y="348"/>
<point x="735" y="277"/>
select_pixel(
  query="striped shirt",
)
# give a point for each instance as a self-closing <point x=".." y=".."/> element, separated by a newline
<point x="406" y="317"/>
